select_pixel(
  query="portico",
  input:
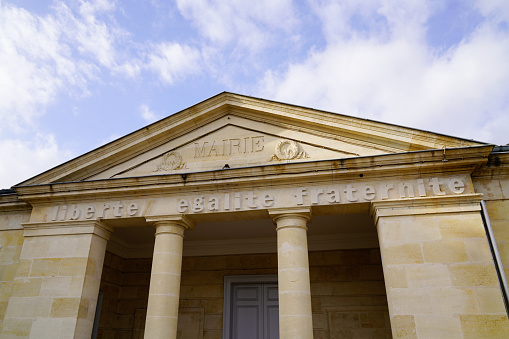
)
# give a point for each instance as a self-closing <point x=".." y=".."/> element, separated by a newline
<point x="366" y="229"/>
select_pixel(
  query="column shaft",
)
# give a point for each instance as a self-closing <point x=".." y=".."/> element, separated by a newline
<point x="163" y="300"/>
<point x="295" y="318"/>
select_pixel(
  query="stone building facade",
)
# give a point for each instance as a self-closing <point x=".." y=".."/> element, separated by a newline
<point x="245" y="218"/>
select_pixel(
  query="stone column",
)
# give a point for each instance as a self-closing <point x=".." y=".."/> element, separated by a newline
<point x="163" y="300"/>
<point x="438" y="270"/>
<point x="295" y="317"/>
<point x="55" y="289"/>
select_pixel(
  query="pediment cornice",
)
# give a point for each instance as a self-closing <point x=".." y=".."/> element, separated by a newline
<point x="410" y="164"/>
<point x="356" y="132"/>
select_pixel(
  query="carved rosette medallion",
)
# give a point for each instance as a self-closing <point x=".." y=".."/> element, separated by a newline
<point x="288" y="150"/>
<point x="171" y="161"/>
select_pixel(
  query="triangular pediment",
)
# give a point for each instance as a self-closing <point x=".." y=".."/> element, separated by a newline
<point x="233" y="146"/>
<point x="235" y="131"/>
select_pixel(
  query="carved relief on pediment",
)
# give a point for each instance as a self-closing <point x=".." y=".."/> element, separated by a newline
<point x="170" y="161"/>
<point x="288" y="150"/>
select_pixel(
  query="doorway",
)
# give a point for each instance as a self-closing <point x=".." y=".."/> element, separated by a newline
<point x="251" y="308"/>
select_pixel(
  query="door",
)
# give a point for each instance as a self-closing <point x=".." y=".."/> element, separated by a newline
<point x="254" y="311"/>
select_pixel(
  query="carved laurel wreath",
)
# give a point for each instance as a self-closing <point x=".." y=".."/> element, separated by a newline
<point x="288" y="150"/>
<point x="171" y="161"/>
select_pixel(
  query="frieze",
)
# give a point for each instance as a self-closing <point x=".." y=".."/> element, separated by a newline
<point x="258" y="198"/>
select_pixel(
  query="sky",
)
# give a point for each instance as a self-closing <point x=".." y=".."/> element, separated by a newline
<point x="77" y="74"/>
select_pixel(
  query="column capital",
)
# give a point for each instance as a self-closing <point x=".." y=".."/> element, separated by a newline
<point x="291" y="217"/>
<point x="67" y="228"/>
<point x="427" y="205"/>
<point x="170" y="223"/>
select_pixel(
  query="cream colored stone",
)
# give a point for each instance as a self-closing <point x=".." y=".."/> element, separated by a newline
<point x="433" y="300"/>
<point x="501" y="230"/>
<point x="163" y="301"/>
<point x="497" y="210"/>
<point x="392" y="233"/>
<point x="484" y="326"/>
<point x="444" y="251"/>
<point x="464" y="226"/>
<point x="438" y="326"/>
<point x="428" y="220"/>
<point x="45" y="267"/>
<point x="395" y="276"/>
<point x="295" y="315"/>
<point x="428" y="275"/>
<point x="424" y="229"/>
<point x="26" y="287"/>
<point x="474" y="275"/>
<point x="402" y="254"/>
<point x="490" y="300"/>
<point x="478" y="249"/>
<point x="403" y="326"/>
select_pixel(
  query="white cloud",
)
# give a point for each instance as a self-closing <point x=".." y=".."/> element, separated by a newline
<point x="173" y="61"/>
<point x="23" y="159"/>
<point x="147" y="114"/>
<point x="390" y="75"/>
<point x="42" y="58"/>
<point x="251" y="25"/>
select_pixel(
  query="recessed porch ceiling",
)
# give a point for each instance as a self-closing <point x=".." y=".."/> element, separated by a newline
<point x="325" y="232"/>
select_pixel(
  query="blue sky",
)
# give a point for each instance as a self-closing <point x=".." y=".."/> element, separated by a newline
<point x="77" y="74"/>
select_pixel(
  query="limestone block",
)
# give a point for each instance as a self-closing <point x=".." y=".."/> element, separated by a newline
<point x="213" y="322"/>
<point x="73" y="266"/>
<point x="10" y="254"/>
<point x="478" y="249"/>
<point x="392" y="233"/>
<point x="11" y="238"/>
<point x="203" y="291"/>
<point x="501" y="230"/>
<point x="45" y="267"/>
<point x="215" y="334"/>
<point x="406" y="301"/>
<point x="23" y="268"/>
<point x="320" y="289"/>
<point x="490" y="300"/>
<point x="464" y="226"/>
<point x="56" y="287"/>
<point x="438" y="326"/>
<point x="473" y="275"/>
<point x="347" y="257"/>
<point x="374" y="319"/>
<point x="358" y="288"/>
<point x="445" y="251"/>
<point x="484" y="326"/>
<point x="498" y="210"/>
<point x="26" y="287"/>
<point x="423" y="229"/>
<point x="403" y="326"/>
<point x="490" y="188"/>
<point x="428" y="275"/>
<point x="395" y="276"/>
<point x="65" y="307"/>
<point x="371" y="272"/>
<point x="16" y="328"/>
<point x="410" y="253"/>
<point x="8" y="272"/>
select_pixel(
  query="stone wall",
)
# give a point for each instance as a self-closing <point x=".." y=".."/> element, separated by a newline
<point x="348" y="294"/>
<point x="496" y="196"/>
<point x="11" y="242"/>
<point x="125" y="284"/>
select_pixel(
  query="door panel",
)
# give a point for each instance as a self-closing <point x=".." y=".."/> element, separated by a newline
<point x="271" y="311"/>
<point x="254" y="311"/>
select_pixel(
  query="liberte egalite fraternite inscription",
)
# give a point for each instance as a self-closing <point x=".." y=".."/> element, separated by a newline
<point x="260" y="198"/>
